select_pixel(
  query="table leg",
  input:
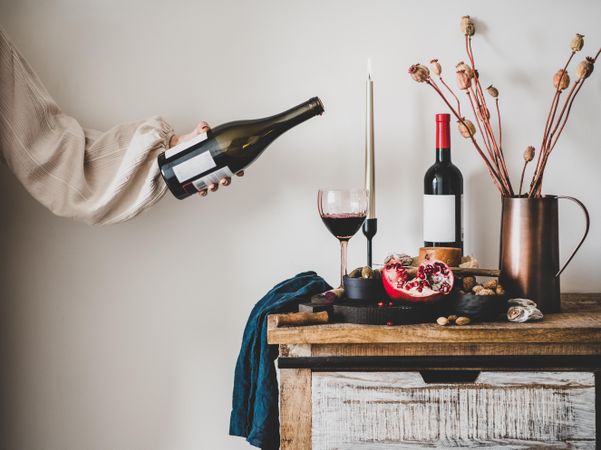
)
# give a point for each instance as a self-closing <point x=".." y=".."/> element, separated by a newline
<point x="295" y="409"/>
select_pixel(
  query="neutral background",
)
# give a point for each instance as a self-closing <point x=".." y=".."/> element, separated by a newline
<point x="125" y="337"/>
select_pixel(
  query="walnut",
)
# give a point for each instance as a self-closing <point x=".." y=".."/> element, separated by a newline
<point x="442" y="321"/>
<point x="491" y="284"/>
<point x="469" y="283"/>
<point x="500" y="290"/>
<point x="462" y="321"/>
<point x="485" y="291"/>
<point x="477" y="288"/>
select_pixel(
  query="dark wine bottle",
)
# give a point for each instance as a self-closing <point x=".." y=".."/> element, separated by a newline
<point x="192" y="166"/>
<point x="443" y="194"/>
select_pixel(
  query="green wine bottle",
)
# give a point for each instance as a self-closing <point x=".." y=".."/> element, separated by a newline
<point x="192" y="166"/>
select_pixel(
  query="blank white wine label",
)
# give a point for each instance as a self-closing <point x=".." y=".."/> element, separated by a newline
<point x="194" y="166"/>
<point x="212" y="178"/>
<point x="184" y="145"/>
<point x="439" y="218"/>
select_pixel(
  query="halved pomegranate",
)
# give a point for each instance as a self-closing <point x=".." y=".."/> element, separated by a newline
<point x="432" y="280"/>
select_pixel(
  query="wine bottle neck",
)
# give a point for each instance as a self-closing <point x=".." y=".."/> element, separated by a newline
<point x="443" y="155"/>
<point x="282" y="122"/>
<point x="443" y="138"/>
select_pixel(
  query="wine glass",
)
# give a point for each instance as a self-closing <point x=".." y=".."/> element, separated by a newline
<point x="343" y="212"/>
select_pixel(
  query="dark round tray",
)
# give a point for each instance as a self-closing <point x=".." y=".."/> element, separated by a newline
<point x="479" y="308"/>
<point x="364" y="289"/>
<point x="371" y="314"/>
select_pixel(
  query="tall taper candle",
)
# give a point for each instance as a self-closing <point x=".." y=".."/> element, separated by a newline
<point x="370" y="226"/>
<point x="370" y="174"/>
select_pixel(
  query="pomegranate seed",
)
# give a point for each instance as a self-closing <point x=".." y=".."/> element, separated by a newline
<point x="380" y="304"/>
<point x="389" y="323"/>
<point x="390" y="303"/>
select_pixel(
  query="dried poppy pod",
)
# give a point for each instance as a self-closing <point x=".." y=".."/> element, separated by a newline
<point x="577" y="43"/>
<point x="466" y="128"/>
<point x="419" y="72"/>
<point x="492" y="91"/>
<point x="529" y="153"/>
<point x="463" y="66"/>
<point x="585" y="68"/>
<point x="463" y="80"/>
<point x="483" y="113"/>
<point x="467" y="26"/>
<point x="561" y="79"/>
<point x="436" y="67"/>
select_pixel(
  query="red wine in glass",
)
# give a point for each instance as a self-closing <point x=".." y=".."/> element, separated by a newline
<point x="343" y="212"/>
<point x="343" y="226"/>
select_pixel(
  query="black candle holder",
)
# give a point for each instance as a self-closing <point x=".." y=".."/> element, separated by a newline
<point x="370" y="228"/>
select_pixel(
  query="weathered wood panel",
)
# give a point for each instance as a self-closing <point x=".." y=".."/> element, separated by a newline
<point x="448" y="349"/>
<point x="580" y="324"/>
<point x="295" y="409"/>
<point x="395" y="410"/>
<point x="556" y="328"/>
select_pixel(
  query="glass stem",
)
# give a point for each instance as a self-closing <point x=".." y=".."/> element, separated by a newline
<point x="343" y="245"/>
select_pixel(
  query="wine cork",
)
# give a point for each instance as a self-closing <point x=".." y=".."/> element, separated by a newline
<point x="302" y="318"/>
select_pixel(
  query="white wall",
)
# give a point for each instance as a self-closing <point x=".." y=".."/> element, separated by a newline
<point x="125" y="337"/>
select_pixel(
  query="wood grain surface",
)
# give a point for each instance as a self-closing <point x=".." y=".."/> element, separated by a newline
<point x="295" y="409"/>
<point x="500" y="410"/>
<point x="576" y="330"/>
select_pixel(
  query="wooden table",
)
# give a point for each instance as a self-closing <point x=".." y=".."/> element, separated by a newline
<point x="500" y="385"/>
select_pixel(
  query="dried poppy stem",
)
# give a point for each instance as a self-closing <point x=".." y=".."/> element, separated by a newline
<point x="522" y="178"/>
<point x="453" y="94"/>
<point x="484" y="136"/>
<point x="489" y="142"/>
<point x="500" y="129"/>
<point x="495" y="177"/>
<point x="501" y="141"/>
<point x="551" y="145"/>
<point x="548" y="125"/>
<point x="499" y="157"/>
<point x="544" y="150"/>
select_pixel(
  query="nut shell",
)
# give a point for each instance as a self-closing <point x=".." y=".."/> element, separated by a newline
<point x="462" y="321"/>
<point x="491" y="284"/>
<point x="485" y="291"/>
<point x="442" y="321"/>
<point x="469" y="283"/>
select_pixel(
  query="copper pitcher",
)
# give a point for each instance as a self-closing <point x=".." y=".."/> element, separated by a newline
<point x="529" y="258"/>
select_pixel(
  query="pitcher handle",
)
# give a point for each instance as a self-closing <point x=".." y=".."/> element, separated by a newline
<point x="588" y="225"/>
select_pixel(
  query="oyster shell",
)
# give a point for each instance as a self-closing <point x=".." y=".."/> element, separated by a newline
<point x="520" y="314"/>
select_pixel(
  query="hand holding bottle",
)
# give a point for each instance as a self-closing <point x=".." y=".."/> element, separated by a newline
<point x="202" y="127"/>
<point x="212" y="156"/>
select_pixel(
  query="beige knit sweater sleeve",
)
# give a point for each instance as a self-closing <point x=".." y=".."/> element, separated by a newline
<point x="96" y="177"/>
